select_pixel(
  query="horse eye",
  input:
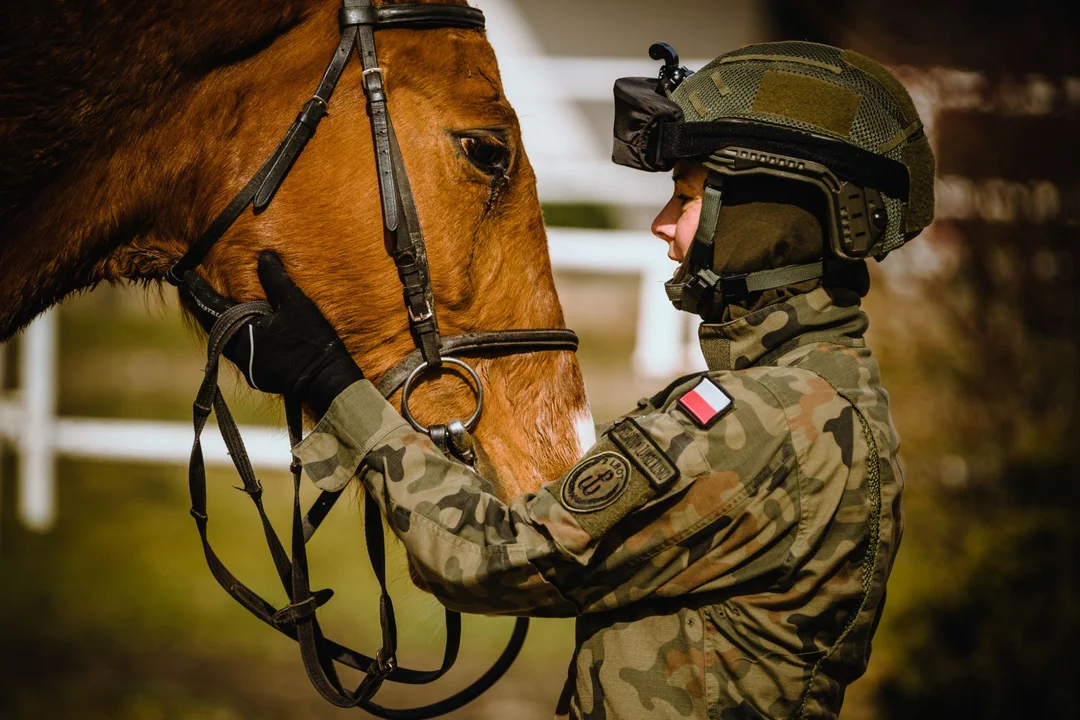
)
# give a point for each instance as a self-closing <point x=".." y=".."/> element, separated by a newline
<point x="489" y="153"/>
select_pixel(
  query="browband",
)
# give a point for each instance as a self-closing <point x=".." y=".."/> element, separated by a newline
<point x="862" y="167"/>
<point x="418" y="16"/>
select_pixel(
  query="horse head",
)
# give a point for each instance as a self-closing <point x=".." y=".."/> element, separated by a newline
<point x="145" y="159"/>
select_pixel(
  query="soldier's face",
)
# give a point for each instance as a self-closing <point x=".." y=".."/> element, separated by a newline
<point x="677" y="223"/>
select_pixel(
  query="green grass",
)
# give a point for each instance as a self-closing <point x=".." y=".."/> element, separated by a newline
<point x="579" y="215"/>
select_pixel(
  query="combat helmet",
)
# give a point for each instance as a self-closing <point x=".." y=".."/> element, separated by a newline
<point x="799" y="111"/>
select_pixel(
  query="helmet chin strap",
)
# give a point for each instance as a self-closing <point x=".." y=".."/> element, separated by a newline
<point x="697" y="288"/>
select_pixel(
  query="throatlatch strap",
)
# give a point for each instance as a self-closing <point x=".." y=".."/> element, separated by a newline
<point x="303" y="128"/>
<point x="355" y="15"/>
<point x="261" y="189"/>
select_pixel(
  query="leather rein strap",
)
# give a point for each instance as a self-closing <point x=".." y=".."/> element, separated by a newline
<point x="359" y="19"/>
<point x="298" y="620"/>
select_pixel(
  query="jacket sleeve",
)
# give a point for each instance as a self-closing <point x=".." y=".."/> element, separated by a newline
<point x="548" y="553"/>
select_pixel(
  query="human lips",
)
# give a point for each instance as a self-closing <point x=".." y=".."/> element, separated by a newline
<point x="673" y="251"/>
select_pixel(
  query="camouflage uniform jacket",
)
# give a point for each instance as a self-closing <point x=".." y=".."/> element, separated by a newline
<point x="734" y="568"/>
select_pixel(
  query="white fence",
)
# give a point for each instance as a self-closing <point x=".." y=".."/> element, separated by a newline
<point x="28" y="419"/>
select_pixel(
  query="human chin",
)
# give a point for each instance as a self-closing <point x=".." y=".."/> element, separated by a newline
<point x="680" y="247"/>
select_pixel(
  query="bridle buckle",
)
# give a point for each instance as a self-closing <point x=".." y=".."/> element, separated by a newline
<point x="374" y="89"/>
<point x="385" y="662"/>
<point x="426" y="314"/>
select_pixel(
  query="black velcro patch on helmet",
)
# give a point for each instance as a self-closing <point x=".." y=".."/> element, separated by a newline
<point x="805" y="99"/>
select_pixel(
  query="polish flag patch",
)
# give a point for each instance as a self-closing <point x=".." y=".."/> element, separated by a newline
<point x="706" y="403"/>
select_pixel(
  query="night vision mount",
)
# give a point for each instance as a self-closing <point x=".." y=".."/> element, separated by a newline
<point x="672" y="74"/>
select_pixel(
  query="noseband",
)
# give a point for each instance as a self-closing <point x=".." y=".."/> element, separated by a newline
<point x="359" y="19"/>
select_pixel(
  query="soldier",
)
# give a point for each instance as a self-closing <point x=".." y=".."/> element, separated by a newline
<point x="725" y="546"/>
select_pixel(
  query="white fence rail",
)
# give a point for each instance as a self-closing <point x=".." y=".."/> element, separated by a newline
<point x="29" y="423"/>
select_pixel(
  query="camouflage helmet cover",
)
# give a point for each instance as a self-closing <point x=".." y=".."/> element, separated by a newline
<point x="821" y="90"/>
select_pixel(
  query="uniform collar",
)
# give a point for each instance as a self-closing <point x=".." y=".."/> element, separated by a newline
<point x="763" y="336"/>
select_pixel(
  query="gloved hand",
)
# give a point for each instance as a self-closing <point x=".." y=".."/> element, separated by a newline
<point x="293" y="351"/>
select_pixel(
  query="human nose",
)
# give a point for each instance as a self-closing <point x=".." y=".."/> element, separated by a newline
<point x="663" y="226"/>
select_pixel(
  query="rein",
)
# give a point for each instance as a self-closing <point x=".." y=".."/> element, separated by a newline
<point x="359" y="19"/>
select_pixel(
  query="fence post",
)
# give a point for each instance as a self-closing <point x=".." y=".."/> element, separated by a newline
<point x="658" y="348"/>
<point x="693" y="360"/>
<point x="37" y="502"/>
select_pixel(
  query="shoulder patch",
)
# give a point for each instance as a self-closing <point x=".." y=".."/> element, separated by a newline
<point x="644" y="452"/>
<point x="706" y="403"/>
<point x="596" y="482"/>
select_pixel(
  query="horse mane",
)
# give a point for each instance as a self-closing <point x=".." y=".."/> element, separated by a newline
<point x="75" y="77"/>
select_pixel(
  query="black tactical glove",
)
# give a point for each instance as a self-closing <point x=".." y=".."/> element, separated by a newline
<point x="293" y="351"/>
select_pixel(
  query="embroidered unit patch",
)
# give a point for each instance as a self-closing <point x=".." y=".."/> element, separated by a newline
<point x="644" y="452"/>
<point x="596" y="482"/>
<point x="706" y="403"/>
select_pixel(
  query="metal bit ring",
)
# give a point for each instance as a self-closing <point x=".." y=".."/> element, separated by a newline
<point x="406" y="390"/>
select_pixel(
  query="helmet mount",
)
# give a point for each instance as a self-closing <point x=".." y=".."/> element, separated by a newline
<point x="672" y="73"/>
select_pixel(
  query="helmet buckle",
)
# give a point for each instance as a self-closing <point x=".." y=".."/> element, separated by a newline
<point x="734" y="285"/>
<point x="702" y="286"/>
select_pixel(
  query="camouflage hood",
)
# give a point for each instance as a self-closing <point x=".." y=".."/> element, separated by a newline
<point x="763" y="336"/>
<point x="768" y="223"/>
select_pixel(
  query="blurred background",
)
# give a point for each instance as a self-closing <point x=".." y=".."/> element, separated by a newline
<point x="108" y="611"/>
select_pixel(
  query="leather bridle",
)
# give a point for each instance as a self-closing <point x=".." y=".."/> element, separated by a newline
<point x="359" y="19"/>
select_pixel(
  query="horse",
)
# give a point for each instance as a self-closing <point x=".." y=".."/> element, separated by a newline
<point x="126" y="126"/>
